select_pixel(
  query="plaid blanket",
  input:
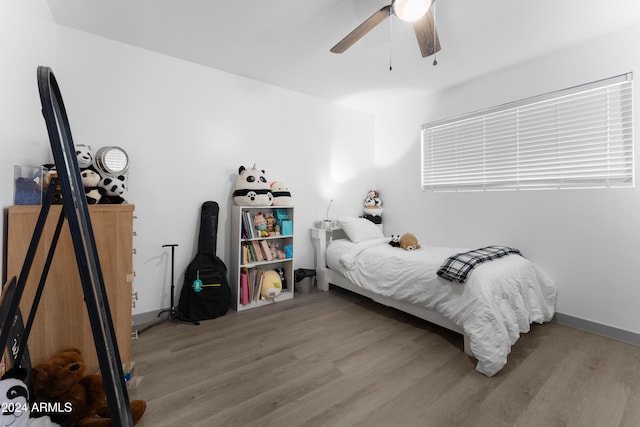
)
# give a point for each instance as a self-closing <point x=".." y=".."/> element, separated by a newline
<point x="457" y="267"/>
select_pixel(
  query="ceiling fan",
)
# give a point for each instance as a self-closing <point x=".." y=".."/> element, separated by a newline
<point x="418" y="12"/>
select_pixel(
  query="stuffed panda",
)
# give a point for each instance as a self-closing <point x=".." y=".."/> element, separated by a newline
<point x="92" y="190"/>
<point x="252" y="188"/>
<point x="373" y="204"/>
<point x="16" y="408"/>
<point x="373" y="207"/>
<point x="114" y="188"/>
<point x="281" y="194"/>
<point x="84" y="155"/>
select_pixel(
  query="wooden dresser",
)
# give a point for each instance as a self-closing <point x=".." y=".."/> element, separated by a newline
<point x="61" y="320"/>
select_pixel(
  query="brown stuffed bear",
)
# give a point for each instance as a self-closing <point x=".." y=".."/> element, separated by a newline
<point x="409" y="242"/>
<point x="61" y="379"/>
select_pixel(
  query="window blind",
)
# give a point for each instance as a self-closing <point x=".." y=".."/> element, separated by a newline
<point x="574" y="138"/>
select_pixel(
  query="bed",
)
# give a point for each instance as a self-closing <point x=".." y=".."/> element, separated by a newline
<point x="498" y="301"/>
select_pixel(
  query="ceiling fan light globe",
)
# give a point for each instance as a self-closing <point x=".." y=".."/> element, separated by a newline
<point x="411" y="10"/>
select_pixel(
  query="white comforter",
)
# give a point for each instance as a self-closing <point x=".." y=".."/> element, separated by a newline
<point x="500" y="299"/>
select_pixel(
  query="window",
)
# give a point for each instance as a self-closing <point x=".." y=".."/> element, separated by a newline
<point x="580" y="137"/>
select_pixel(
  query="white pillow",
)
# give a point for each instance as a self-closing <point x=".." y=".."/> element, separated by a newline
<point x="359" y="229"/>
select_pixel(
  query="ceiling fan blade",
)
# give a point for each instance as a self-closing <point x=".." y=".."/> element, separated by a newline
<point x="426" y="34"/>
<point x="362" y="29"/>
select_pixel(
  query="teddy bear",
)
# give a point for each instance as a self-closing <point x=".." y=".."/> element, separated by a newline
<point x="252" y="188"/>
<point x="49" y="173"/>
<point x="271" y="225"/>
<point x="61" y="380"/>
<point x="409" y="242"/>
<point x="281" y="194"/>
<point x="17" y="410"/>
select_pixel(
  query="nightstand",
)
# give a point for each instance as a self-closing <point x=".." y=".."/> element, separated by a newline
<point x="321" y="237"/>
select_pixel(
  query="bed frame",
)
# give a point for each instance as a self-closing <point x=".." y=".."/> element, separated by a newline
<point x="325" y="276"/>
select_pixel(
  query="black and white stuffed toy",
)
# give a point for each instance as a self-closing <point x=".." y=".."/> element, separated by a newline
<point x="14" y="402"/>
<point x="114" y="188"/>
<point x="88" y="174"/>
<point x="252" y="188"/>
<point x="395" y="240"/>
<point x="98" y="187"/>
<point x="84" y="155"/>
<point x="90" y="181"/>
<point x="373" y="207"/>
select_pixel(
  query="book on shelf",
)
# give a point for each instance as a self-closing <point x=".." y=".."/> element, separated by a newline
<point x="251" y="278"/>
<point x="258" y="285"/>
<point x="257" y="250"/>
<point x="244" y="287"/>
<point x="247" y="223"/>
<point x="266" y="250"/>
<point x="245" y="254"/>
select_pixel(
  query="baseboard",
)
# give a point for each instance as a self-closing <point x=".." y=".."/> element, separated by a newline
<point x="598" y="328"/>
<point x="141" y="320"/>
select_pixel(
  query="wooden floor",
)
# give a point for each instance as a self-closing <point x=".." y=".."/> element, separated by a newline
<point x="336" y="359"/>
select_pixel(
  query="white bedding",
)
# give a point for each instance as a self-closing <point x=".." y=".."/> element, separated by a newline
<point x="500" y="299"/>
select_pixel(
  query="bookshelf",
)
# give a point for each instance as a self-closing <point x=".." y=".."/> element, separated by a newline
<point x="262" y="241"/>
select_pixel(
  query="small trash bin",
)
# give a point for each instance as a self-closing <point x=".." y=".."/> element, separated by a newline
<point x="304" y="280"/>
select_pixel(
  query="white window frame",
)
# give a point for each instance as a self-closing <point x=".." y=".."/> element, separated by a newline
<point x="581" y="137"/>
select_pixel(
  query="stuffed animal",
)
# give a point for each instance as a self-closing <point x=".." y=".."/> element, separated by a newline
<point x="60" y="380"/>
<point x="271" y="225"/>
<point x="49" y="172"/>
<point x="84" y="155"/>
<point x="283" y="279"/>
<point x="260" y="223"/>
<point x="90" y="181"/>
<point x="373" y="207"/>
<point x="281" y="194"/>
<point x="276" y="251"/>
<point x="16" y="407"/>
<point x="271" y="285"/>
<point x="252" y="188"/>
<point x="395" y="240"/>
<point x="114" y="188"/>
<point x="409" y="242"/>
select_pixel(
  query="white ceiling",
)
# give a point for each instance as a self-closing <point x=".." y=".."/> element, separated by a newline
<point x="287" y="42"/>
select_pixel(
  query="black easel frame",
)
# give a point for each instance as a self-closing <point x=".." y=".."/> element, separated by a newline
<point x="75" y="210"/>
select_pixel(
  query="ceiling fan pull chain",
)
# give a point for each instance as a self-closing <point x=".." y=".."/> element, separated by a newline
<point x="435" y="53"/>
<point x="390" y="40"/>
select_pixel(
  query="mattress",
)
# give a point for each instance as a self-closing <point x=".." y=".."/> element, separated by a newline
<point x="497" y="303"/>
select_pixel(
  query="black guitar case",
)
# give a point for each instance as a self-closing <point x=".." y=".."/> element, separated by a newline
<point x="205" y="292"/>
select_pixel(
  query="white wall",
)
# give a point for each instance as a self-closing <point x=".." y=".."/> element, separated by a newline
<point x="586" y="240"/>
<point x="187" y="130"/>
<point x="26" y="41"/>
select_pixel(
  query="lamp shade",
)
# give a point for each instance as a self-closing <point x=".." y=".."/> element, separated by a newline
<point x="410" y="10"/>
